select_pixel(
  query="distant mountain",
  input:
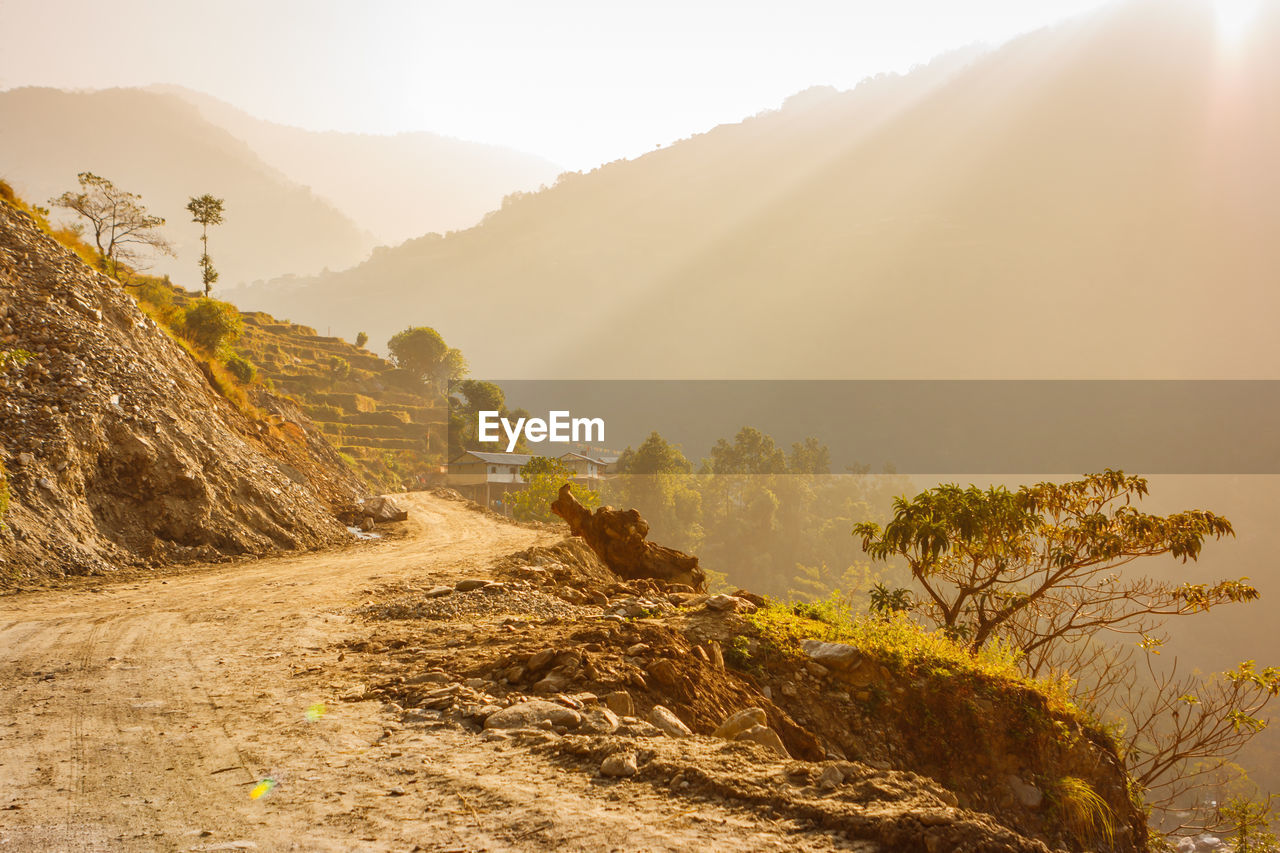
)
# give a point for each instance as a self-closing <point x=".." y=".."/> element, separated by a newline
<point x="1096" y="199"/>
<point x="161" y="147"/>
<point x="397" y="186"/>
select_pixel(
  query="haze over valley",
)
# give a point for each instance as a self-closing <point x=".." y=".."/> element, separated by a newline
<point x="273" y="276"/>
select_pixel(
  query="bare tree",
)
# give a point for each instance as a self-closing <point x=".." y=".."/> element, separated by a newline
<point x="122" y="228"/>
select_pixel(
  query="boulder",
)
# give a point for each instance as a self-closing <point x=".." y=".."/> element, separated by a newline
<point x="728" y="603"/>
<point x="830" y="777"/>
<point x="1028" y="795"/>
<point x="383" y="509"/>
<point x="764" y="736"/>
<point x="837" y="656"/>
<point x="670" y="724"/>
<point x="600" y="721"/>
<point x="471" y="583"/>
<point x="540" y="660"/>
<point x="736" y="724"/>
<point x="530" y="714"/>
<point x="620" y="703"/>
<point x="620" y="764"/>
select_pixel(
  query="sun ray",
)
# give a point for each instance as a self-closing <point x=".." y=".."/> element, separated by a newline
<point x="1235" y="17"/>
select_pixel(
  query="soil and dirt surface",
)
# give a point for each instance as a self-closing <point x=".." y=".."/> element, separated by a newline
<point x="147" y="716"/>
<point x="143" y="717"/>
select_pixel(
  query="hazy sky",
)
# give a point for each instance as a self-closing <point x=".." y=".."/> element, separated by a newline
<point x="578" y="81"/>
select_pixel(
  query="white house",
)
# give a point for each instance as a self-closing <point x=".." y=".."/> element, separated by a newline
<point x="485" y="477"/>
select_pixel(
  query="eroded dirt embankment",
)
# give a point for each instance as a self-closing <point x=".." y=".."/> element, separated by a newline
<point x="141" y="717"/>
<point x="146" y="716"/>
<point x="118" y="452"/>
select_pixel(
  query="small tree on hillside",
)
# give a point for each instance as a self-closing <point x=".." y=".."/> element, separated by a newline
<point x="1038" y="569"/>
<point x="422" y="351"/>
<point x="122" y="228"/>
<point x="211" y="324"/>
<point x="206" y="210"/>
<point x="545" y="477"/>
<point x="362" y="338"/>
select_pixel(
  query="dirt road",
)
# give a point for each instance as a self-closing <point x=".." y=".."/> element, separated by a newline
<point x="146" y="716"/>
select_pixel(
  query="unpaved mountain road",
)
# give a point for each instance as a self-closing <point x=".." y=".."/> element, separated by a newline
<point x="141" y="716"/>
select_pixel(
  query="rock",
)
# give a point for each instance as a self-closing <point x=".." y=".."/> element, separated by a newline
<point x="618" y="539"/>
<point x="434" y="677"/>
<point x="551" y="684"/>
<point x="384" y="509"/>
<point x="599" y="721"/>
<point x="736" y="724"/>
<point x="830" y="777"/>
<point x="716" y="654"/>
<point x="540" y="660"/>
<point x="764" y="736"/>
<point x="1028" y="795"/>
<point x="527" y="715"/>
<point x="471" y="583"/>
<point x="366" y="523"/>
<point x="670" y="724"/>
<point x="664" y="672"/>
<point x="514" y="674"/>
<point x="757" y="600"/>
<point x="724" y="602"/>
<point x="25" y="459"/>
<point x="620" y="764"/>
<point x="45" y="483"/>
<point x="637" y="649"/>
<point x="619" y="702"/>
<point x="837" y="656"/>
<point x="438" y="592"/>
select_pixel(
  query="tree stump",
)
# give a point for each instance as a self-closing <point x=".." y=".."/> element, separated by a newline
<point x="618" y="538"/>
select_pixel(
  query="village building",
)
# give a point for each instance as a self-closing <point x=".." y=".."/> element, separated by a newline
<point x="486" y="477"/>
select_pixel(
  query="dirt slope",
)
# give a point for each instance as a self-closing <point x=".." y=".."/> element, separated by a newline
<point x="142" y="717"/>
<point x="118" y="451"/>
<point x="145" y="717"/>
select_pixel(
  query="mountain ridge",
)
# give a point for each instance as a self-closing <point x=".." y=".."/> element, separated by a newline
<point x="1059" y="193"/>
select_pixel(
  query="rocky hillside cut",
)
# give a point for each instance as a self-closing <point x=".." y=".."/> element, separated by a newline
<point x="118" y="452"/>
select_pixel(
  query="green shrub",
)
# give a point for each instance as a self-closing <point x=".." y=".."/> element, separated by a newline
<point x="4" y="494"/>
<point x="900" y="643"/>
<point x="212" y="325"/>
<point x="362" y="338"/>
<point x="339" y="367"/>
<point x="241" y="368"/>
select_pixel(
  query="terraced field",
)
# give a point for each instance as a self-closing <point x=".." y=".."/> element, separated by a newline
<point x="386" y="424"/>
